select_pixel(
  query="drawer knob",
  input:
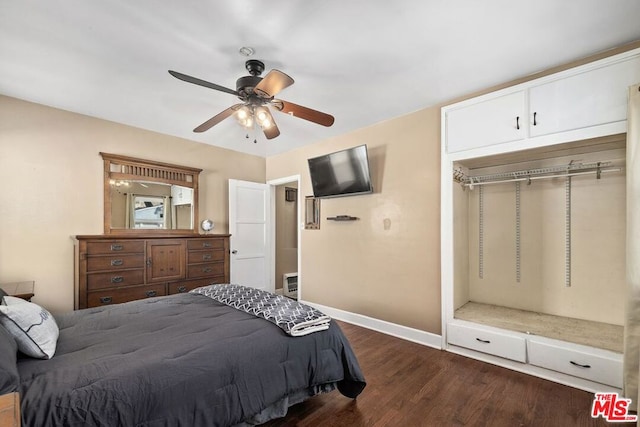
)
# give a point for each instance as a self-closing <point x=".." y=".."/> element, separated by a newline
<point x="116" y="247"/>
<point x="182" y="289"/>
<point x="483" y="341"/>
<point x="151" y="293"/>
<point x="579" y="365"/>
<point x="207" y="270"/>
<point x="105" y="300"/>
<point x="206" y="245"/>
<point x="116" y="262"/>
<point x="117" y="279"/>
<point x="206" y="257"/>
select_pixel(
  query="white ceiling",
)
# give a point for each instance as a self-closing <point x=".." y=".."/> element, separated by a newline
<point x="363" y="61"/>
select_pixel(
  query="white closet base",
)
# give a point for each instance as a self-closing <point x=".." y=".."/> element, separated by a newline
<point x="585" y="332"/>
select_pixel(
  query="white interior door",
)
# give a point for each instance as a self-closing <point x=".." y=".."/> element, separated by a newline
<point x="249" y="222"/>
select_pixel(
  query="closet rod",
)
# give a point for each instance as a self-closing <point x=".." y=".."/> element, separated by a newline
<point x="533" y="178"/>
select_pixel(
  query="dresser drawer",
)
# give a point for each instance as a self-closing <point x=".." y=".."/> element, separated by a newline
<point x="114" y="279"/>
<point x="114" y="246"/>
<point x="595" y="365"/>
<point x="116" y="296"/>
<point x="206" y="243"/>
<point x="205" y="270"/>
<point x="115" y="262"/>
<point x="186" y="286"/>
<point x="194" y="257"/>
<point x="488" y="341"/>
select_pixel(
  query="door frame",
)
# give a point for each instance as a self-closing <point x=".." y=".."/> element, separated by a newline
<point x="273" y="183"/>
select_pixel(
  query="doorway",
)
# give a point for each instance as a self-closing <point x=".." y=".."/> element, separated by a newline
<point x="285" y="230"/>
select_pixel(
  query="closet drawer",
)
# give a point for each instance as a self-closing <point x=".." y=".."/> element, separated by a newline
<point x="194" y="257"/>
<point x="210" y="243"/>
<point x="488" y="341"/>
<point x="603" y="367"/>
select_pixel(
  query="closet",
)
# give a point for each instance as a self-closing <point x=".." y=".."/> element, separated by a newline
<point x="533" y="224"/>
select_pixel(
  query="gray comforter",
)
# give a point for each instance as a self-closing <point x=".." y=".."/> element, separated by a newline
<point x="182" y="360"/>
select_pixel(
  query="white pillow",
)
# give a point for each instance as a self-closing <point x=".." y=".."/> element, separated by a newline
<point x="33" y="327"/>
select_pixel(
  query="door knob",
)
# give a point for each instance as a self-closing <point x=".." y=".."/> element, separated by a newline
<point x="234" y="251"/>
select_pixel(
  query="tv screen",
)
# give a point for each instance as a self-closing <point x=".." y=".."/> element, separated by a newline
<point x="343" y="173"/>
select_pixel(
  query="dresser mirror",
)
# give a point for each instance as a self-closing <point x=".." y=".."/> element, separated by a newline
<point x="147" y="196"/>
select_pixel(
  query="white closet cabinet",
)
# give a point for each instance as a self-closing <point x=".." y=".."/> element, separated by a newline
<point x="594" y="97"/>
<point x="583" y="102"/>
<point x="580" y="107"/>
<point x="494" y="121"/>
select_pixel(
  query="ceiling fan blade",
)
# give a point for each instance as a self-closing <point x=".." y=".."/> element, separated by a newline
<point x="200" y="82"/>
<point x="296" y="110"/>
<point x="273" y="83"/>
<point x="272" y="131"/>
<point x="217" y="118"/>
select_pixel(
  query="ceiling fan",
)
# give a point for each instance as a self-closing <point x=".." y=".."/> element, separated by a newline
<point x="257" y="95"/>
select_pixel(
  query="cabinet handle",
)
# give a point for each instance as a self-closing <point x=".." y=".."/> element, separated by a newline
<point x="117" y="279"/>
<point x="483" y="341"/>
<point x="151" y="293"/>
<point x="116" y="262"/>
<point x="207" y="270"/>
<point x="534" y="118"/>
<point x="116" y="247"/>
<point x="206" y="257"/>
<point x="182" y="289"/>
<point x="579" y="364"/>
<point x="518" y="122"/>
<point x="206" y="245"/>
<point x="148" y="262"/>
<point x="105" y="300"/>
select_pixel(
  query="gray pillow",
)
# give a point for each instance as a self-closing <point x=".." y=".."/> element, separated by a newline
<point x="33" y="327"/>
<point x="9" y="377"/>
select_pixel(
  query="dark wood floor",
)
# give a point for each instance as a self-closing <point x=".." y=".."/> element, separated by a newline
<point x="412" y="385"/>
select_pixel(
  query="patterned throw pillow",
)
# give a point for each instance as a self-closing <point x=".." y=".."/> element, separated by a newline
<point x="33" y="327"/>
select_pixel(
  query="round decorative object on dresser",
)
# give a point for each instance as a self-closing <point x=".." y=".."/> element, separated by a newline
<point x="206" y="225"/>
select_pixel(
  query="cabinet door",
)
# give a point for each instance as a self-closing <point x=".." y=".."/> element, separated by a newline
<point x="165" y="260"/>
<point x="591" y="98"/>
<point x="489" y="122"/>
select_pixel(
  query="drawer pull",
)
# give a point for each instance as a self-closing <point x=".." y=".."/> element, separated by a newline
<point x="151" y="293"/>
<point x="182" y="289"/>
<point x="206" y="257"/>
<point x="535" y="123"/>
<point x="207" y="270"/>
<point x="116" y="262"/>
<point x="207" y="245"/>
<point x="518" y="122"/>
<point x="117" y="279"/>
<point x="483" y="341"/>
<point x="105" y="300"/>
<point x="579" y="365"/>
<point x="116" y="247"/>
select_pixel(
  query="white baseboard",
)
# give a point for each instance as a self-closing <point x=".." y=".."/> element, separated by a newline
<point x="393" y="329"/>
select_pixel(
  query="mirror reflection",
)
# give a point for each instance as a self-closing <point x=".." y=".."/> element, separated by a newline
<point x="150" y="205"/>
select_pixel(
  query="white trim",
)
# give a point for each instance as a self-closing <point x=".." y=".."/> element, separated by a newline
<point x="393" y="329"/>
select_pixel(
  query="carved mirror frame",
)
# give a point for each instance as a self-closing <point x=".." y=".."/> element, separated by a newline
<point x="124" y="168"/>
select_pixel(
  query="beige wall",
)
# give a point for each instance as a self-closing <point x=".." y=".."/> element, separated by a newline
<point x="386" y="272"/>
<point x="52" y="175"/>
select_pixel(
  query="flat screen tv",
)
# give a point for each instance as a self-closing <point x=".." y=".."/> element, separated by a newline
<point x="343" y="173"/>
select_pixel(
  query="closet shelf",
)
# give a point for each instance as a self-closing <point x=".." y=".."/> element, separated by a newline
<point x="571" y="169"/>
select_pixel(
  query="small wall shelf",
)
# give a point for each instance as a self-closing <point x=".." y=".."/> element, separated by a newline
<point x="343" y="218"/>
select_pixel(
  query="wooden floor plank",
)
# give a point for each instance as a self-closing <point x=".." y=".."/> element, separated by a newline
<point x="412" y="385"/>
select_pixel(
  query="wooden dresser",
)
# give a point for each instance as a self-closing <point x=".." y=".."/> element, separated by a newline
<point x="118" y="268"/>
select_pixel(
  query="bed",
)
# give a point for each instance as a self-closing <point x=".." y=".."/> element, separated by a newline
<point x="179" y="360"/>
